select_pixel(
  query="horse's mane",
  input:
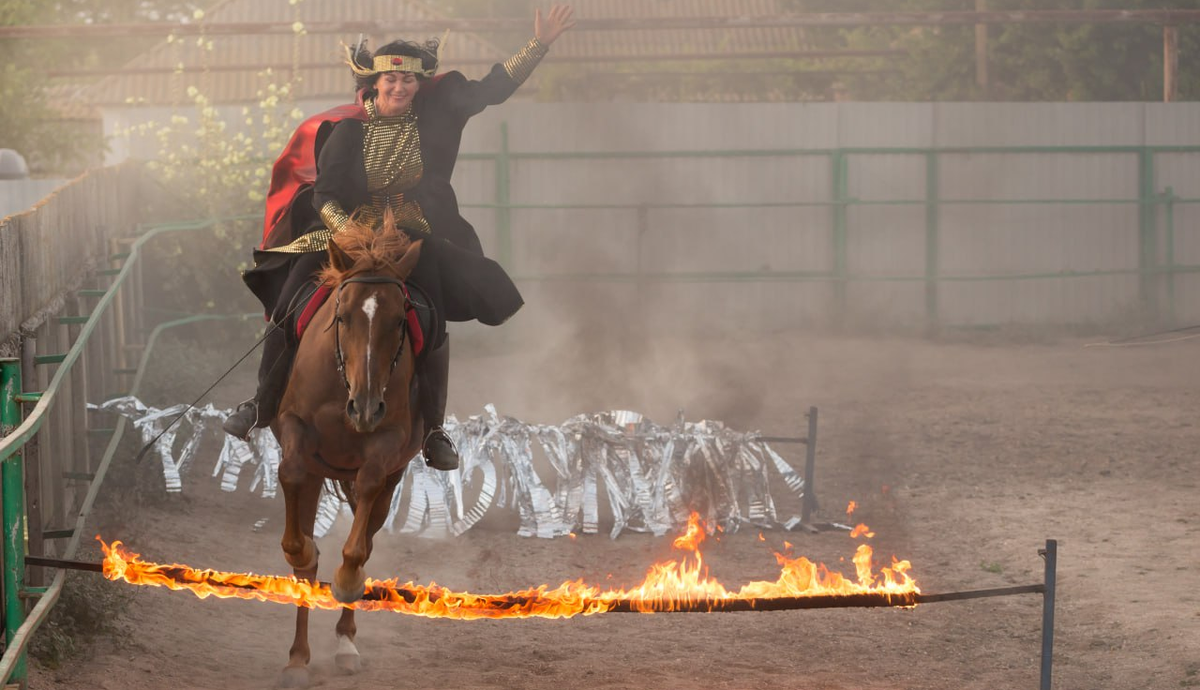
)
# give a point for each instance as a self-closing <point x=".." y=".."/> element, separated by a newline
<point x="370" y="250"/>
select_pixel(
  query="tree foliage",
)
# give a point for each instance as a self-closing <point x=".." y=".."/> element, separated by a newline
<point x="1026" y="62"/>
<point x="33" y="125"/>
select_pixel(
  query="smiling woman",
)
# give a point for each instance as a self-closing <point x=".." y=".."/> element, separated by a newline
<point x="396" y="91"/>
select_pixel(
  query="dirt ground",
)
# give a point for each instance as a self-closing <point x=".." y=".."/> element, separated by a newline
<point x="963" y="454"/>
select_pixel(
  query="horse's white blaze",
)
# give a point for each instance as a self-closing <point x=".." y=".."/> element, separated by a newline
<point x="346" y="646"/>
<point x="369" y="307"/>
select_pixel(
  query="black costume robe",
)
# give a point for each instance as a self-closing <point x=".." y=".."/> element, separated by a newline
<point x="463" y="283"/>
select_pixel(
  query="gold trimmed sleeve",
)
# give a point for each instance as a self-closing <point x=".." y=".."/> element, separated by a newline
<point x="334" y="215"/>
<point x="521" y="65"/>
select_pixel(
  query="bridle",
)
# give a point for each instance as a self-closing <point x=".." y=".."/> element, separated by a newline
<point x="337" y="321"/>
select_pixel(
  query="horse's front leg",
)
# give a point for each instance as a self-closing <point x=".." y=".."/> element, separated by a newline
<point x="347" y="657"/>
<point x="301" y="492"/>
<point x="349" y="580"/>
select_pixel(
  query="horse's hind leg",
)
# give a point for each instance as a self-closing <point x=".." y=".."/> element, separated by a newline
<point x="379" y="511"/>
<point x="301" y="492"/>
<point x="347" y="657"/>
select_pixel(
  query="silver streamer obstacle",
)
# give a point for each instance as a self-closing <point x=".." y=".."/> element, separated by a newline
<point x="653" y="476"/>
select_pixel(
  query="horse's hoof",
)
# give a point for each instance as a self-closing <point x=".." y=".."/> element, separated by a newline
<point x="350" y="664"/>
<point x="294" y="677"/>
<point x="348" y="595"/>
<point x="347" y="658"/>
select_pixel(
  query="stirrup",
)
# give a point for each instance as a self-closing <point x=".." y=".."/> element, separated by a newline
<point x="240" y="424"/>
<point x="441" y="462"/>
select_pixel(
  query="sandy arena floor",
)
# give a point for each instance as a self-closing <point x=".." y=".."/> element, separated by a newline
<point x="963" y="456"/>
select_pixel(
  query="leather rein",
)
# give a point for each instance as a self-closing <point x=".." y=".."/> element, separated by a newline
<point x="337" y="321"/>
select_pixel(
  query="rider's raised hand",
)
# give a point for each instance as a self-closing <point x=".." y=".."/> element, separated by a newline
<point x="557" y="20"/>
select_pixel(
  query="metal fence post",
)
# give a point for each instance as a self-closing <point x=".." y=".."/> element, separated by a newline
<point x="13" y="490"/>
<point x="840" y="181"/>
<point x="504" y="245"/>
<point x="639" y="269"/>
<point x="810" y="469"/>
<point x="31" y="462"/>
<point x="932" y="211"/>
<point x="1050" y="553"/>
<point x="1147" y="234"/>
<point x="1168" y="200"/>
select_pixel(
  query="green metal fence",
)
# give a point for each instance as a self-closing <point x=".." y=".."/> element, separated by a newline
<point x="1157" y="267"/>
<point x="112" y="328"/>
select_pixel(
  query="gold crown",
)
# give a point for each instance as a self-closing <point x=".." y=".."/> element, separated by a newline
<point x="395" y="63"/>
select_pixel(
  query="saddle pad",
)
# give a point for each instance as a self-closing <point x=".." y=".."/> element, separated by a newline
<point x="411" y="317"/>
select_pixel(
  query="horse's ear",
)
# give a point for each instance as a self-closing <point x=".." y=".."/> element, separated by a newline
<point x="408" y="262"/>
<point x="339" y="260"/>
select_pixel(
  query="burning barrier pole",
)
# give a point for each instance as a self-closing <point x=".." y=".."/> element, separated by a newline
<point x="380" y="592"/>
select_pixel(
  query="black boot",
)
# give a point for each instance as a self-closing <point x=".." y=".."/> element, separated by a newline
<point x="273" y="373"/>
<point x="433" y="380"/>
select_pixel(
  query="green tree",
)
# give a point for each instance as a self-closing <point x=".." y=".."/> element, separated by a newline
<point x="32" y="125"/>
<point x="1026" y="62"/>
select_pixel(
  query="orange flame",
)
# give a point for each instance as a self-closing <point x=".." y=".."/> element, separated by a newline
<point x="850" y="509"/>
<point x="691" y="539"/>
<point x="668" y="586"/>
<point x="861" y="530"/>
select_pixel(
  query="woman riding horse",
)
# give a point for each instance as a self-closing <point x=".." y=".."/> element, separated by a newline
<point x="393" y="151"/>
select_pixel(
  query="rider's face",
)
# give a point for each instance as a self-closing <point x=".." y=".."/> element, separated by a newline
<point x="396" y="91"/>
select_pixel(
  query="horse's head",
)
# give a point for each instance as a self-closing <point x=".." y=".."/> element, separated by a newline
<point x="367" y="273"/>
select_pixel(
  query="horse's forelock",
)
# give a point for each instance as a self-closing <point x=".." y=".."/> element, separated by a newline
<point x="371" y="251"/>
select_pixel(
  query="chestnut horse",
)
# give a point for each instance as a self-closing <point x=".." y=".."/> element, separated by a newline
<point x="347" y="415"/>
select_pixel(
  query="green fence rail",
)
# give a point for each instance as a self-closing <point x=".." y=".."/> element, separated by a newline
<point x="20" y="431"/>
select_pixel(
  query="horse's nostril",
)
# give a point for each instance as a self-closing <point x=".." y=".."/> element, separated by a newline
<point x="382" y="410"/>
<point x="350" y="407"/>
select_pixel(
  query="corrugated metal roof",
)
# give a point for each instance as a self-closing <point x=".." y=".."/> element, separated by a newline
<point x="665" y="42"/>
<point x="70" y="102"/>
<point x="225" y="83"/>
<point x="216" y="71"/>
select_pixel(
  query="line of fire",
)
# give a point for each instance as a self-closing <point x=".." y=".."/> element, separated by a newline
<point x="678" y="586"/>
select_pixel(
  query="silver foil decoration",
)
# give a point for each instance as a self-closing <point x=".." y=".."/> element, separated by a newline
<point x="615" y="468"/>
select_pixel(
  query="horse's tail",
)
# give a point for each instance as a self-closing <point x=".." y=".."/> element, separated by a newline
<point x="344" y="490"/>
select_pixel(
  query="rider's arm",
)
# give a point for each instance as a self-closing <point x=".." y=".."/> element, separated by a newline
<point x="470" y="97"/>
<point x="520" y="66"/>
<point x="335" y="164"/>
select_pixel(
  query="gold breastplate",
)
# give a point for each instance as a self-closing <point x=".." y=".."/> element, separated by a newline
<point x="392" y="158"/>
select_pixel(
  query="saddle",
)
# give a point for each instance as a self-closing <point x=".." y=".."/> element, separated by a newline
<point x="421" y="317"/>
